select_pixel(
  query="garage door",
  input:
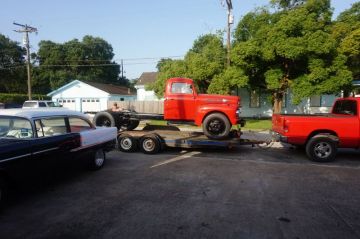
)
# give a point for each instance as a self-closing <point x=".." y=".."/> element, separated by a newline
<point x="90" y="105"/>
<point x="68" y="103"/>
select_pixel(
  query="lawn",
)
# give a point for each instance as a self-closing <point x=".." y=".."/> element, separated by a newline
<point x="251" y="124"/>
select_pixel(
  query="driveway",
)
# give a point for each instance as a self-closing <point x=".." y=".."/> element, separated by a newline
<point x="244" y="192"/>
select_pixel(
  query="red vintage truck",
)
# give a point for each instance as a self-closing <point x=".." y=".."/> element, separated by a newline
<point x="322" y="134"/>
<point x="182" y="104"/>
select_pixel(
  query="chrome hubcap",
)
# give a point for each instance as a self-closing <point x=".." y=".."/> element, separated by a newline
<point x="99" y="158"/>
<point x="126" y="143"/>
<point x="148" y="144"/>
<point x="322" y="150"/>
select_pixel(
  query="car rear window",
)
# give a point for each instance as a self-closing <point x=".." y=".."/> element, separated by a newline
<point x="346" y="107"/>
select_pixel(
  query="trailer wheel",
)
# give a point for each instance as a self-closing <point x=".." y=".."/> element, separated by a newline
<point x="127" y="143"/>
<point x="104" y="119"/>
<point x="132" y="124"/>
<point x="321" y="148"/>
<point x="150" y="144"/>
<point x="216" y="126"/>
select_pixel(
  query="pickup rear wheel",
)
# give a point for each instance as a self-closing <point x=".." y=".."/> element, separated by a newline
<point x="216" y="126"/>
<point x="150" y="144"/>
<point x="97" y="160"/>
<point x="127" y="143"/>
<point x="104" y="119"/>
<point x="321" y="148"/>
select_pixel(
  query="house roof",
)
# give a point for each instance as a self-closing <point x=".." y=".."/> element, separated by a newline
<point x="111" y="89"/>
<point x="147" y="78"/>
<point x="108" y="88"/>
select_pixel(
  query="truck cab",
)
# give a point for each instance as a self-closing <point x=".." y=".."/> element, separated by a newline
<point x="217" y="113"/>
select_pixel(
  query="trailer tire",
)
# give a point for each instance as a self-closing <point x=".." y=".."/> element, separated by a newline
<point x="150" y="144"/>
<point x="131" y="125"/>
<point x="216" y="126"/>
<point x="127" y="143"/>
<point x="104" y="119"/>
<point x="322" y="148"/>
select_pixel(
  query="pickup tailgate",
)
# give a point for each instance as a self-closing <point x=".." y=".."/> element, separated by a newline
<point x="278" y="123"/>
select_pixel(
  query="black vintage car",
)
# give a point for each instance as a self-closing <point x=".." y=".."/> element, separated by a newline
<point x="31" y="137"/>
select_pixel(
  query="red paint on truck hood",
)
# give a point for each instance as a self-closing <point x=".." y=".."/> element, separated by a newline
<point x="218" y="99"/>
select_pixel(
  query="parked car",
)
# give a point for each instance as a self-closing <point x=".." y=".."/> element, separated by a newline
<point x="40" y="104"/>
<point x="9" y="105"/>
<point x="31" y="137"/>
<point x="321" y="135"/>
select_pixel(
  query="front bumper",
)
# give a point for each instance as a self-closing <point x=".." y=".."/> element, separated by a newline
<point x="279" y="137"/>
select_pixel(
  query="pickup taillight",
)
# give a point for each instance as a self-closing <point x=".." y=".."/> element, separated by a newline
<point x="285" y="126"/>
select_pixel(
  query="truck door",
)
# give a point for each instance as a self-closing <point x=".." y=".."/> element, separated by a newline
<point x="180" y="102"/>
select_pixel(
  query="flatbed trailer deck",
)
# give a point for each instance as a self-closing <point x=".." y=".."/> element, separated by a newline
<point x="151" y="141"/>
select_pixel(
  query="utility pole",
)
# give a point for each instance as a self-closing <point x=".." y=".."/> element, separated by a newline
<point x="26" y="29"/>
<point x="230" y="20"/>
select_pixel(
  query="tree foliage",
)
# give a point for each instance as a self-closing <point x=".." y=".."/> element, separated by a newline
<point x="86" y="60"/>
<point x="12" y="69"/>
<point x="291" y="49"/>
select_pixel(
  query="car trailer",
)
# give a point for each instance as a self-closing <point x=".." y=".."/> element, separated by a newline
<point x="153" y="139"/>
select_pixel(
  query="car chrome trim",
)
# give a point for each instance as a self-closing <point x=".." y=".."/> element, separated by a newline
<point x="16" y="157"/>
<point x="46" y="150"/>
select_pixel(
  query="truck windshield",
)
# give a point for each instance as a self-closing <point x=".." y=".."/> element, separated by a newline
<point x="12" y="127"/>
<point x="345" y="107"/>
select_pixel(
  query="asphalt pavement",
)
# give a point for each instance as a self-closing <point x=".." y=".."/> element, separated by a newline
<point x="244" y="192"/>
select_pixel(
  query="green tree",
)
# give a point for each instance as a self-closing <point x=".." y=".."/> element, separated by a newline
<point x="202" y="63"/>
<point x="86" y="60"/>
<point x="12" y="67"/>
<point x="293" y="49"/>
<point x="346" y="31"/>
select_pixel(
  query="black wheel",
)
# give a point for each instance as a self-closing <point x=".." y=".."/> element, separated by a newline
<point x="104" y="119"/>
<point x="216" y="126"/>
<point x="127" y="143"/>
<point x="132" y="124"/>
<point x="97" y="159"/>
<point x="150" y="144"/>
<point x="321" y="148"/>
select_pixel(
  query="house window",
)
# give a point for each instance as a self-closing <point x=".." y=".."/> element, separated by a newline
<point x="315" y="101"/>
<point x="121" y="99"/>
<point x="254" y="99"/>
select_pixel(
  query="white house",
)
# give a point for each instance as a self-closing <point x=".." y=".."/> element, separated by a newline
<point x="90" y="96"/>
<point x="145" y="79"/>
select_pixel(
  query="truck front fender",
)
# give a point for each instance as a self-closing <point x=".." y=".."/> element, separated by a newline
<point x="229" y="112"/>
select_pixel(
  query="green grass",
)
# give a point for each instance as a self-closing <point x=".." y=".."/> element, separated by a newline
<point x="251" y="124"/>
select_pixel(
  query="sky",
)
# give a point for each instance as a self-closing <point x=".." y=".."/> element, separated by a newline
<point x="141" y="32"/>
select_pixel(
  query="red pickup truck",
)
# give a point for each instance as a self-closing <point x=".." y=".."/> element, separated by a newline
<point x="322" y="134"/>
<point x="182" y="104"/>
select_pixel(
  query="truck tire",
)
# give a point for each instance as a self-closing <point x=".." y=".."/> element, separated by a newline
<point x="104" y="119"/>
<point x="127" y="143"/>
<point x="131" y="125"/>
<point x="216" y="126"/>
<point x="321" y="148"/>
<point x="150" y="144"/>
<point x="97" y="159"/>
